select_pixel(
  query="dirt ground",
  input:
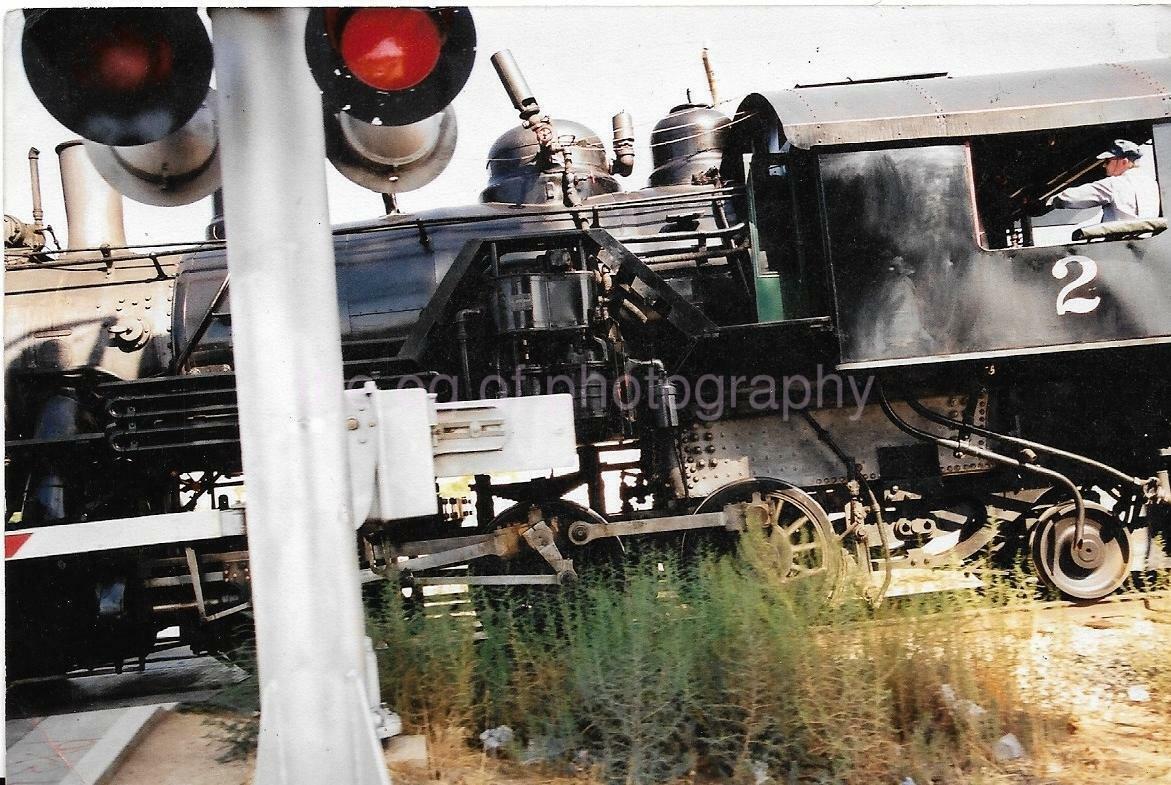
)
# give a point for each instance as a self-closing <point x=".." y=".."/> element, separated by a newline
<point x="1111" y="673"/>
<point x="1106" y="668"/>
<point x="180" y="751"/>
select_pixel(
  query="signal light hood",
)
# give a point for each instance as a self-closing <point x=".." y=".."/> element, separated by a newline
<point x="179" y="169"/>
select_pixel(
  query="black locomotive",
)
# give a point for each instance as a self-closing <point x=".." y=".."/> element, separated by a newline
<point x="837" y="315"/>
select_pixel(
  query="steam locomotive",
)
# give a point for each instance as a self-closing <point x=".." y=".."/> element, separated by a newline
<point x="835" y="316"/>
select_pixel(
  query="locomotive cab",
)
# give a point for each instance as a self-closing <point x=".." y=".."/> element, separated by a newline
<point x="913" y="212"/>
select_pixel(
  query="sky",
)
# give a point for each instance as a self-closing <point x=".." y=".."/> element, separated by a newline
<point x="586" y="63"/>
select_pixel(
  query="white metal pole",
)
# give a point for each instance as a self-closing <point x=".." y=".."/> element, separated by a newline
<point x="316" y="723"/>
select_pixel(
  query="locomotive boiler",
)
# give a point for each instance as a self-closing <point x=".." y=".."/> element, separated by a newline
<point x="835" y="316"/>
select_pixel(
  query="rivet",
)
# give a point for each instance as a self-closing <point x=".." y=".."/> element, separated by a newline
<point x="352" y="423"/>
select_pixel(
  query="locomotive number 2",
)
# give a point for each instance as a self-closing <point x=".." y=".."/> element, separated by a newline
<point x="1065" y="303"/>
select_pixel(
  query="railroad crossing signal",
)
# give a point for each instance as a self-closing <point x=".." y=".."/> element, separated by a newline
<point x="131" y="80"/>
<point x="390" y="66"/>
<point x="387" y="76"/>
<point x="134" y="84"/>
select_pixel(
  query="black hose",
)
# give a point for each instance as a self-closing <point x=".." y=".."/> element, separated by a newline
<point x="825" y="438"/>
<point x="919" y="408"/>
<point x="855" y="473"/>
<point x="995" y="457"/>
<point x="876" y="508"/>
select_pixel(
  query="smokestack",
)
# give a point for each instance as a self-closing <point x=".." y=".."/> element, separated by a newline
<point x="93" y="210"/>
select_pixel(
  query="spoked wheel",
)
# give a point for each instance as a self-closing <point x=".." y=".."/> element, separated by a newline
<point x="799" y="543"/>
<point x="1090" y="572"/>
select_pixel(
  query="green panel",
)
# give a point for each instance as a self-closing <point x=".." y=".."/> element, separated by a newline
<point x="769" y="304"/>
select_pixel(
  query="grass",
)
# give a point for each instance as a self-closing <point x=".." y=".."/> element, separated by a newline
<point x="719" y="671"/>
<point x="714" y="672"/>
<point x="233" y="712"/>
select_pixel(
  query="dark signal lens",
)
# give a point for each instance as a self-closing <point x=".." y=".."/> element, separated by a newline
<point x="118" y="76"/>
<point x="391" y="48"/>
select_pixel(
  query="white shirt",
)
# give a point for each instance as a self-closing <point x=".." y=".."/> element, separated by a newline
<point x="1129" y="196"/>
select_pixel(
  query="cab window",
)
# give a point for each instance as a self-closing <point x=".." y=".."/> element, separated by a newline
<point x="1051" y="188"/>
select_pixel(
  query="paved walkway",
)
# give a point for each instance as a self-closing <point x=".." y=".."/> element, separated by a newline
<point x="74" y="749"/>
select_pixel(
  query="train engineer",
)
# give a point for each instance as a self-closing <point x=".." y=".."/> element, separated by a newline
<point x="1128" y="192"/>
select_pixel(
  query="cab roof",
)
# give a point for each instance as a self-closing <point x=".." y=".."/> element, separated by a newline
<point x="945" y="106"/>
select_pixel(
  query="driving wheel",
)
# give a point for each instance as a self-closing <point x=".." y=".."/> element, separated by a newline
<point x="799" y="543"/>
<point x="1090" y="572"/>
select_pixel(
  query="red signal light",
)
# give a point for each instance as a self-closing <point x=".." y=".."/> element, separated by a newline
<point x="391" y="48"/>
<point x="390" y="65"/>
<point x="127" y="62"/>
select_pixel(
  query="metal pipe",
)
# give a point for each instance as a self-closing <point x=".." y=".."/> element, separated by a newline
<point x="181" y="246"/>
<point x="461" y="320"/>
<point x="113" y="261"/>
<point x="715" y="196"/>
<point x="711" y="76"/>
<point x="317" y="720"/>
<point x="215" y="228"/>
<point x="682" y="261"/>
<point x="697" y="235"/>
<point x="675" y="200"/>
<point x="515" y="85"/>
<point x="171" y="607"/>
<point x="623" y="163"/>
<point x="876" y="508"/>
<point x="995" y="457"/>
<point x="34" y="173"/>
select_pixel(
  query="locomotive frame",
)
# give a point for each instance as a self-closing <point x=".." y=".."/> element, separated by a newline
<point x="875" y="241"/>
